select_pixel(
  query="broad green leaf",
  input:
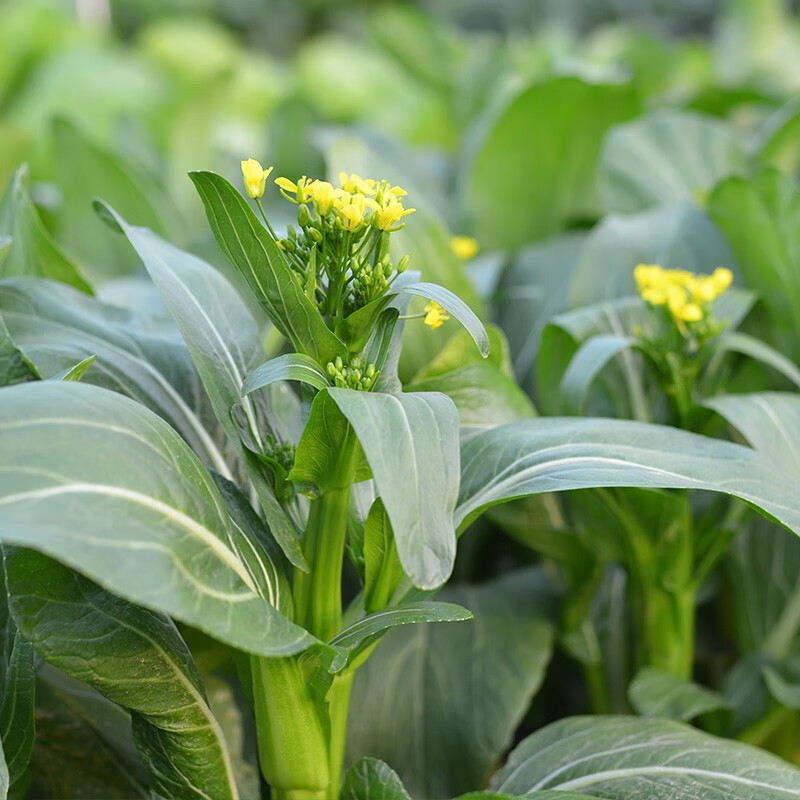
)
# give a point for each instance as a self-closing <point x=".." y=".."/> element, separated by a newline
<point x="411" y="444"/>
<point x="225" y="345"/>
<point x="483" y="394"/>
<point x="85" y="170"/>
<point x="75" y="456"/>
<point x="529" y="179"/>
<point x="354" y="638"/>
<point x="654" y="693"/>
<point x="770" y="421"/>
<point x="55" y="326"/>
<point x="288" y="367"/>
<point x="758" y="217"/>
<point x="622" y="758"/>
<point x="17" y="693"/>
<point x="316" y="461"/>
<point x="736" y="342"/>
<point x="678" y="235"/>
<point x="251" y="249"/>
<point x="32" y="250"/>
<point x="136" y="658"/>
<point x="84" y="747"/>
<point x="666" y="156"/>
<point x="530" y="292"/>
<point x="588" y="361"/>
<point x="543" y="455"/>
<point x="409" y="707"/>
<point x="460" y="351"/>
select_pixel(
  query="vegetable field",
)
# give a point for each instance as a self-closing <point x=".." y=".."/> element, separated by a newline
<point x="399" y="401"/>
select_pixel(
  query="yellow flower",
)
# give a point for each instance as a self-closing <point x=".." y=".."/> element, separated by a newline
<point x="355" y="184"/>
<point x="647" y="275"/>
<point x="465" y="247"/>
<point x="722" y="278"/>
<point x="300" y="190"/>
<point x="390" y="213"/>
<point x="323" y="194"/>
<point x="435" y="315"/>
<point x="351" y="216"/>
<point x="255" y="177"/>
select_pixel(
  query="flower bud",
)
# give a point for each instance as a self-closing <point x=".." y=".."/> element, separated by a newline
<point x="315" y="235"/>
<point x="403" y="264"/>
<point x="303" y="217"/>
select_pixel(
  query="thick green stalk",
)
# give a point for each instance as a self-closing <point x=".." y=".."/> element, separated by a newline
<point x="292" y="743"/>
<point x="338" y="707"/>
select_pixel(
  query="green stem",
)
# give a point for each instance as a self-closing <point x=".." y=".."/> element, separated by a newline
<point x="292" y="743"/>
<point x="681" y="389"/>
<point x="338" y="706"/>
<point x="318" y="594"/>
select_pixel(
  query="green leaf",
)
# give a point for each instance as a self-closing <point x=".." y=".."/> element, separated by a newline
<point x="288" y="367"/>
<point x="737" y="342"/>
<point x="55" y="326"/>
<point x="586" y="364"/>
<point x="356" y="637"/>
<point x="75" y="456"/>
<point x="75" y="373"/>
<point x="17" y="694"/>
<point x="224" y="342"/>
<point x="410" y="704"/>
<point x="382" y="569"/>
<point x="758" y="217"/>
<point x="654" y="693"/>
<point x="136" y="658"/>
<point x="483" y="394"/>
<point x="411" y="444"/>
<point x="786" y="693"/>
<point x="529" y="179"/>
<point x="666" y="156"/>
<point x="32" y="250"/>
<point x="14" y="367"/>
<point x="679" y="235"/>
<point x="542" y="455"/>
<point x="251" y="249"/>
<point x="455" y="307"/>
<point x="84" y="170"/>
<point x="622" y="758"/>
<point x="84" y="746"/>
<point x="317" y="456"/>
<point x="371" y="779"/>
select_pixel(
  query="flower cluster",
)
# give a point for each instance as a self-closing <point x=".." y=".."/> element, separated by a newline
<point x="340" y="247"/>
<point x="357" y="203"/>
<point x="353" y="375"/>
<point x="684" y="295"/>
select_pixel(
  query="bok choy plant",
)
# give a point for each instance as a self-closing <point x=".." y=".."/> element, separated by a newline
<point x="156" y="494"/>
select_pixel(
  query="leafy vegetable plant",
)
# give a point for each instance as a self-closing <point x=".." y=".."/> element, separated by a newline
<point x="175" y="500"/>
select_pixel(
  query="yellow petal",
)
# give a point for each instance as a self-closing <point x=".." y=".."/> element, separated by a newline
<point x="465" y="247"/>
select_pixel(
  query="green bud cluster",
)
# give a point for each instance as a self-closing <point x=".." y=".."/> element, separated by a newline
<point x="282" y="453"/>
<point x="353" y="375"/>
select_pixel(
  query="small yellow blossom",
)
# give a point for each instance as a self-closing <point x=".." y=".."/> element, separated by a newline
<point x="435" y="315"/>
<point x="465" y="247"/>
<point x="255" y="177"/>
<point x="323" y="194"/>
<point x="301" y="190"/>
<point x="351" y="216"/>
<point x="390" y="213"/>
<point x="355" y="184"/>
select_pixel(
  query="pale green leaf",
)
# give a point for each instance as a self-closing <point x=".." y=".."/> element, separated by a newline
<point x="411" y="444"/>
<point x="626" y="758"/>
<point x="75" y="456"/>
<point x="288" y="367"/>
<point x="654" y="693"/>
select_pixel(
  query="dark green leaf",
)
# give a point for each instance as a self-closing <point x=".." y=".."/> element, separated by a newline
<point x="136" y="658"/>
<point x="251" y="249"/>
<point x="409" y="703"/>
